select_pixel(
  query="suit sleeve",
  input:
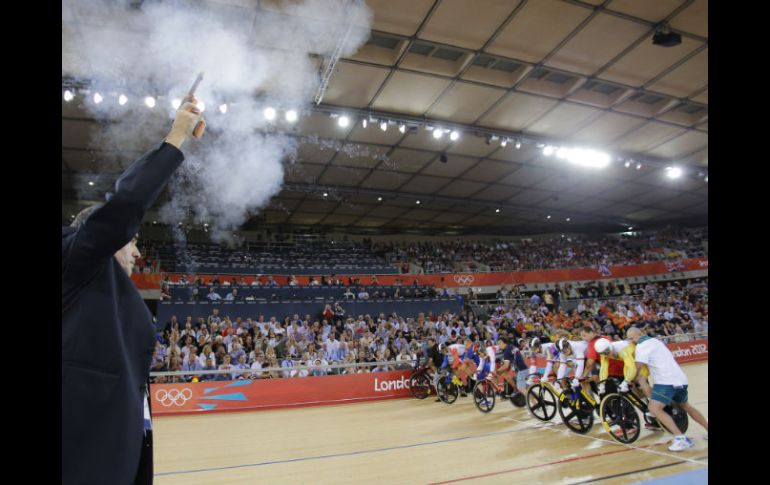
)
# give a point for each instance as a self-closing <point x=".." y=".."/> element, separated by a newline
<point x="114" y="224"/>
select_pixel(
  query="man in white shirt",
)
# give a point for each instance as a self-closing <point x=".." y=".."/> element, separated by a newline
<point x="670" y="385"/>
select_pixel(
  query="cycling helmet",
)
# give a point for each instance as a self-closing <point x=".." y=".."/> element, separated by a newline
<point x="563" y="345"/>
<point x="534" y="343"/>
<point x="602" y="345"/>
<point x="441" y="347"/>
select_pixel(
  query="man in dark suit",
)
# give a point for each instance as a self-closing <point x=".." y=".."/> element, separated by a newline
<point x="107" y="331"/>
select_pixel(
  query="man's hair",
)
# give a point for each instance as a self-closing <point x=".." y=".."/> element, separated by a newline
<point x="80" y="219"/>
<point x="587" y="329"/>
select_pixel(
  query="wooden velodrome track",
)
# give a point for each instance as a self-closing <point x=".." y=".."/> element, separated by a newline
<point x="408" y="441"/>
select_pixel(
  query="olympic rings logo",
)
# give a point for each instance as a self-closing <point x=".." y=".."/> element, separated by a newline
<point x="463" y="279"/>
<point x="174" y="396"/>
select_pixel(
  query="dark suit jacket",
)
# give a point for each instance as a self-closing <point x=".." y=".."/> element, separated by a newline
<point x="107" y="333"/>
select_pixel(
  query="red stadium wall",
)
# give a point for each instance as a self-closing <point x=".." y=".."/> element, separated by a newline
<point x="277" y="393"/>
<point x="152" y="281"/>
<point x="214" y="396"/>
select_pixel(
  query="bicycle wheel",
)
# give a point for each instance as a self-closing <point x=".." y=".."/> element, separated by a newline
<point x="619" y="418"/>
<point x="419" y="385"/>
<point x="484" y="396"/>
<point x="518" y="399"/>
<point x="541" y="402"/>
<point x="576" y="412"/>
<point x="447" y="391"/>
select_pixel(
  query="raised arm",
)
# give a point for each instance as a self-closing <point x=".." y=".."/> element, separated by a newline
<point x="111" y="226"/>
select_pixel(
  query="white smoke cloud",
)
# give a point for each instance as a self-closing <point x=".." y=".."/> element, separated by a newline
<point x="253" y="53"/>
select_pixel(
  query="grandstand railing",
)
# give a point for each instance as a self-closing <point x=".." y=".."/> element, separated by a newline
<point x="330" y="369"/>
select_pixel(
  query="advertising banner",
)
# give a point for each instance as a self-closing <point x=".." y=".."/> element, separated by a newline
<point x="458" y="280"/>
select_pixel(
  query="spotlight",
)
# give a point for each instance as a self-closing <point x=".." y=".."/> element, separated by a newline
<point x="91" y="183"/>
<point x="149" y="101"/>
<point x="518" y="144"/>
<point x="547" y="217"/>
<point x="379" y="199"/>
<point x="585" y="158"/>
<point x="223" y="108"/>
<point x="438" y="133"/>
<point x="175" y="103"/>
<point x="568" y="219"/>
<point x="326" y="194"/>
<point x="68" y="96"/>
<point x="201" y="106"/>
<point x="504" y="143"/>
<point x="343" y="121"/>
<point x="638" y="165"/>
<point x="269" y="113"/>
<point x="497" y="211"/>
<point x="673" y="172"/>
<point x="384" y="126"/>
<point x="402" y="129"/>
<point x="122" y="99"/>
<point x="291" y="116"/>
<point x="98" y="98"/>
<point x="364" y="123"/>
<point x="548" y="151"/>
<point x="706" y="179"/>
<point x="628" y="163"/>
<point x="418" y="202"/>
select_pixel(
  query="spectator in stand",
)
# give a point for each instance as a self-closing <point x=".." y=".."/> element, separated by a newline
<point x="226" y="365"/>
<point x="241" y="365"/>
<point x="256" y="281"/>
<point x="209" y="365"/>
<point x="213" y="295"/>
<point x="191" y="364"/>
<point x="328" y="313"/>
<point x="257" y="365"/>
<point x="165" y="293"/>
<point x="363" y="294"/>
<point x="403" y="359"/>
<point x="288" y="364"/>
<point x="548" y="300"/>
<point x="196" y="296"/>
<point x="349" y="295"/>
<point x="207" y="354"/>
<point x="213" y="318"/>
<point x="233" y="295"/>
<point x="271" y="281"/>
